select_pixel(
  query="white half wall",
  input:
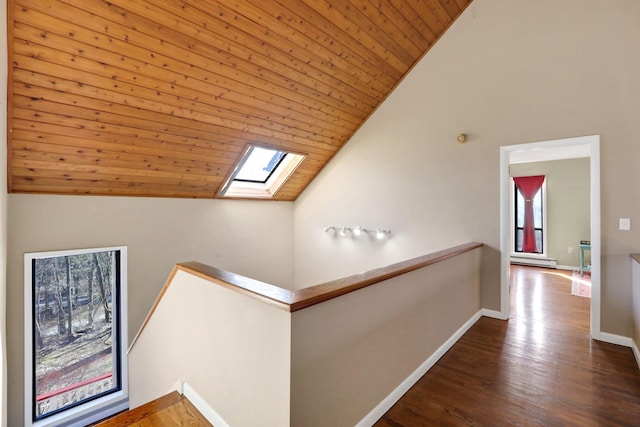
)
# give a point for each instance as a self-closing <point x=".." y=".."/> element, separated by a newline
<point x="350" y="354"/>
<point x="235" y="351"/>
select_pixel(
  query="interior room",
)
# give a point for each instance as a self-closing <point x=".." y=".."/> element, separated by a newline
<point x="128" y="123"/>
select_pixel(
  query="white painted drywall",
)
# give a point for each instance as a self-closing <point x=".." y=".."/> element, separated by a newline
<point x="350" y="353"/>
<point x="233" y="350"/>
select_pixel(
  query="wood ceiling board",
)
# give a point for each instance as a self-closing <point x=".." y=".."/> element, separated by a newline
<point x="237" y="94"/>
<point x="146" y="98"/>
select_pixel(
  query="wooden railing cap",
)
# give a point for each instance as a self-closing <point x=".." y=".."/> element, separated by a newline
<point x="306" y="297"/>
<point x="292" y="301"/>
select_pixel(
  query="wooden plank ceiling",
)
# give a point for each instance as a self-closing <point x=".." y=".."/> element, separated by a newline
<point x="160" y="98"/>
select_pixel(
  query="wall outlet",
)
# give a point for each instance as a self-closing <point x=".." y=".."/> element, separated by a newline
<point x="570" y="250"/>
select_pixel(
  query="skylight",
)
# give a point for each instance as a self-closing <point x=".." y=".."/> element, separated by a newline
<point x="260" y="173"/>
<point x="260" y="164"/>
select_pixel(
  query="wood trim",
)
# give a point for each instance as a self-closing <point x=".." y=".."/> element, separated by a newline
<point x="154" y="306"/>
<point x="313" y="295"/>
<point x="302" y="298"/>
<point x="270" y="294"/>
<point x="292" y="301"/>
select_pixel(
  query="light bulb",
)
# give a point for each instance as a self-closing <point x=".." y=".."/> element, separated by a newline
<point x="357" y="231"/>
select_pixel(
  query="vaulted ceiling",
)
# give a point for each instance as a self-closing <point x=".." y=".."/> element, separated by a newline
<point x="161" y="98"/>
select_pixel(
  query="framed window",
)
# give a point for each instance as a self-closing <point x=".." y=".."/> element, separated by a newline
<point x="539" y="220"/>
<point x="75" y="336"/>
<point x="260" y="164"/>
<point x="260" y="173"/>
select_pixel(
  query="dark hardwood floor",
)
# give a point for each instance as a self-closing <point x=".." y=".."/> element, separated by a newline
<point x="539" y="368"/>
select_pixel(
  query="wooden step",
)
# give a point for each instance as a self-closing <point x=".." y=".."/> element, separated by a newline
<point x="172" y="409"/>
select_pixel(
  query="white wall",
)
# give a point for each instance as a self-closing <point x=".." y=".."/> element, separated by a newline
<point x="350" y="353"/>
<point x="635" y="266"/>
<point x="3" y="211"/>
<point x="233" y="350"/>
<point x="506" y="72"/>
<point x="246" y="237"/>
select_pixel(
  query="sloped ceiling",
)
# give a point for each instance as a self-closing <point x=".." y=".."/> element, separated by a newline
<point x="161" y="98"/>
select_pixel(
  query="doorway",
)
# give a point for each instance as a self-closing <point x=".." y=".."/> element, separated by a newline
<point x="586" y="146"/>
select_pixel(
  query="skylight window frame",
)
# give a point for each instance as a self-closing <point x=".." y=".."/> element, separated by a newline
<point x="248" y="189"/>
<point x="246" y="157"/>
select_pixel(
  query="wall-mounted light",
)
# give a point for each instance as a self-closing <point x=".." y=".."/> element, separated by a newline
<point x="356" y="231"/>
<point x="380" y="233"/>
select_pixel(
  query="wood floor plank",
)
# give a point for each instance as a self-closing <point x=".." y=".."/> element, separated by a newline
<point x="170" y="410"/>
<point x="538" y="368"/>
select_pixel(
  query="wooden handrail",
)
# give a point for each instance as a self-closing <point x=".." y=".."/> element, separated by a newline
<point x="292" y="301"/>
<point x="312" y="295"/>
<point x="306" y="297"/>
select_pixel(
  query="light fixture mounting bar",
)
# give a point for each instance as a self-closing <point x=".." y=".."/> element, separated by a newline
<point x="357" y="230"/>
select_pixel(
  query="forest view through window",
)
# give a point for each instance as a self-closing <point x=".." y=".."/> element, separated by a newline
<point x="76" y="345"/>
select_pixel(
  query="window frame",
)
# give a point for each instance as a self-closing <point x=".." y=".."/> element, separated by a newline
<point x="270" y="173"/>
<point x="237" y="188"/>
<point x="545" y="227"/>
<point x="101" y="405"/>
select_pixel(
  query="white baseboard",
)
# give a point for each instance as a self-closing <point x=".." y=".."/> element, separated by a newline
<point x="535" y="261"/>
<point x="615" y="339"/>
<point x="493" y="314"/>
<point x="386" y="404"/>
<point x="178" y="386"/>
<point x="201" y="405"/>
<point x="636" y="352"/>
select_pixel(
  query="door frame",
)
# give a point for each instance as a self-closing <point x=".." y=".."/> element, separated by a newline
<point x="590" y="146"/>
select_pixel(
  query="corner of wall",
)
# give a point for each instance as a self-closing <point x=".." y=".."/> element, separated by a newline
<point x="3" y="213"/>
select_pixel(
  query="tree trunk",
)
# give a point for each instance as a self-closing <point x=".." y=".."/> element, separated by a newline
<point x="39" y="341"/>
<point x="70" y="308"/>
<point x="101" y="287"/>
<point x="59" y="307"/>
<point x="90" y="295"/>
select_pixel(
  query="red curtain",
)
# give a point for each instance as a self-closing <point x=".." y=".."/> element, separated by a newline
<point x="528" y="187"/>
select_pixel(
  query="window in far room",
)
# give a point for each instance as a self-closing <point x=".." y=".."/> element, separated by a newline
<point x="529" y="202"/>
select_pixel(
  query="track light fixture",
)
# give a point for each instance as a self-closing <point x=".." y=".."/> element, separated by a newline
<point x="356" y="231"/>
<point x="380" y="233"/>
